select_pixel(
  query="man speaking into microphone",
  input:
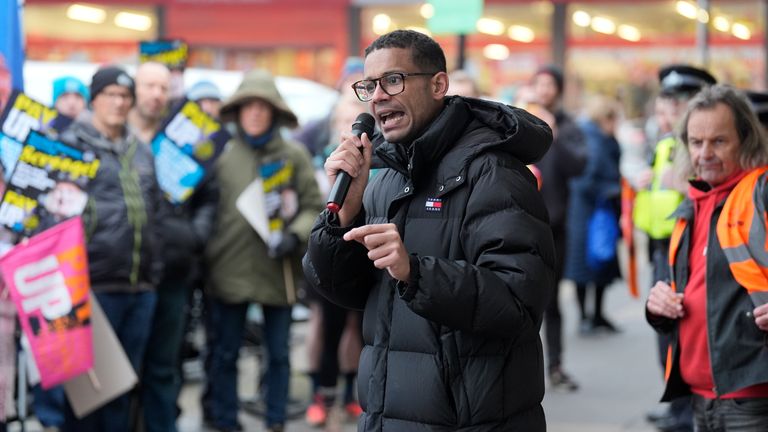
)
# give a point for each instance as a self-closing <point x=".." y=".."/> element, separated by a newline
<point x="364" y="124"/>
<point x="448" y="249"/>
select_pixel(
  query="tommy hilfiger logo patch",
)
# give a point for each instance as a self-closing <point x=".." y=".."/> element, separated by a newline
<point x="434" y="204"/>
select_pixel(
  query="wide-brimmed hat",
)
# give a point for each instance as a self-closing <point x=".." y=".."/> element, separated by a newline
<point x="259" y="84"/>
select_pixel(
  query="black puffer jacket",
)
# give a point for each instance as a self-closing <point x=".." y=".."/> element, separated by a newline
<point x="458" y="348"/>
<point x="565" y="159"/>
<point x="186" y="230"/>
<point x="123" y="211"/>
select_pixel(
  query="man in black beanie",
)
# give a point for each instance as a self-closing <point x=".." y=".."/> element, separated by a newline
<point x="112" y="76"/>
<point x="565" y="159"/>
<point x="121" y="222"/>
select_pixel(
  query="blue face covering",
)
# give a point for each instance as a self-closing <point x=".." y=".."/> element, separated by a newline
<point x="259" y="141"/>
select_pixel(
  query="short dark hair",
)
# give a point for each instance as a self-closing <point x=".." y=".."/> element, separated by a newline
<point x="556" y="73"/>
<point x="425" y="52"/>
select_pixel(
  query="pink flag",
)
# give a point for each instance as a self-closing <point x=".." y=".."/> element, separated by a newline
<point x="48" y="280"/>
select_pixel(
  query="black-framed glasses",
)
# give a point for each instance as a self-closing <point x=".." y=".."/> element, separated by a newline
<point x="392" y="84"/>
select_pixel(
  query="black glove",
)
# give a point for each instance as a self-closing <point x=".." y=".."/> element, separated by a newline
<point x="287" y="245"/>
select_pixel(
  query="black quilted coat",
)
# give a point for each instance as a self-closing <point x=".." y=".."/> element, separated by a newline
<point x="457" y="348"/>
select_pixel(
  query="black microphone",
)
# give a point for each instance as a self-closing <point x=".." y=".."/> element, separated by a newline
<point x="363" y="124"/>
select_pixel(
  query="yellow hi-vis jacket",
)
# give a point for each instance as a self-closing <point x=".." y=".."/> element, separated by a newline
<point x="654" y="206"/>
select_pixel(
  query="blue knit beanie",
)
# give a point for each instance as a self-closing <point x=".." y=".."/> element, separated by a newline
<point x="69" y="84"/>
<point x="204" y="90"/>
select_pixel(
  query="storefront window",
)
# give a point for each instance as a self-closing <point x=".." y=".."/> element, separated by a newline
<point x="617" y="48"/>
<point x="90" y="33"/>
<point x="611" y="45"/>
<point x="511" y="41"/>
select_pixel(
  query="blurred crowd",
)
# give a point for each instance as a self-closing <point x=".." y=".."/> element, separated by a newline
<point x="148" y="256"/>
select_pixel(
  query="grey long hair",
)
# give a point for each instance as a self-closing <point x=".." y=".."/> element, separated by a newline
<point x="753" y="148"/>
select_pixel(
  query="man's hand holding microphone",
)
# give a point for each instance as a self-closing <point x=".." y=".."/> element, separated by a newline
<point x="347" y="169"/>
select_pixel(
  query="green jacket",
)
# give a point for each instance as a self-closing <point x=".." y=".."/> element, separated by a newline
<point x="240" y="268"/>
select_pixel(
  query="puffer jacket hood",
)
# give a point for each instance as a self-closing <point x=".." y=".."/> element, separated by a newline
<point x="475" y="126"/>
<point x="516" y="128"/>
<point x="259" y="84"/>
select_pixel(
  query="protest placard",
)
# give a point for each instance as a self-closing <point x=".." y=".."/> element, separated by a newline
<point x="185" y="148"/>
<point x="22" y="115"/>
<point x="112" y="374"/>
<point x="47" y="277"/>
<point x="47" y="186"/>
<point x="172" y="53"/>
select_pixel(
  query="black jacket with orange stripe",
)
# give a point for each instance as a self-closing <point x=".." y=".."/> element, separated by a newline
<point x="738" y="348"/>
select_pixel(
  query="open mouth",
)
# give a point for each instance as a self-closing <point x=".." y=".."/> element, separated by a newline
<point x="391" y="118"/>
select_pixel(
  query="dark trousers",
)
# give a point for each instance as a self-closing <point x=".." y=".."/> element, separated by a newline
<point x="228" y="323"/>
<point x="130" y="315"/>
<point x="730" y="415"/>
<point x="161" y="378"/>
<point x="48" y="405"/>
<point x="679" y="408"/>
<point x="334" y="321"/>
<point x="553" y="320"/>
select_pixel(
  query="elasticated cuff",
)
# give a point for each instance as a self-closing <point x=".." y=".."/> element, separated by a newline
<point x="332" y="224"/>
<point x="407" y="290"/>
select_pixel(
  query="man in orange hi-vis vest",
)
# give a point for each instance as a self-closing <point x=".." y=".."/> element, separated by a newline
<point x="658" y="196"/>
<point x="715" y="306"/>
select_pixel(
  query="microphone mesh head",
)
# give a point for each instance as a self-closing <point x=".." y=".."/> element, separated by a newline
<point x="364" y="123"/>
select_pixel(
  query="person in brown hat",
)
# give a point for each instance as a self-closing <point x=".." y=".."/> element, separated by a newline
<point x="268" y="201"/>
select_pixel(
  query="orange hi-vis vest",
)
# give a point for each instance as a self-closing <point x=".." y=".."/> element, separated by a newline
<point x="741" y="230"/>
